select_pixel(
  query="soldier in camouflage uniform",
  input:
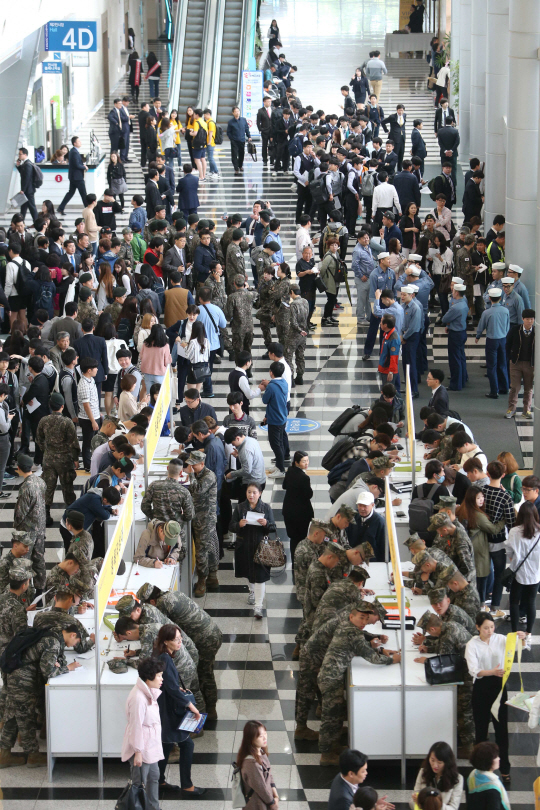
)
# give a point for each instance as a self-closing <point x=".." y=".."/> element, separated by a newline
<point x="345" y="593"/>
<point x="30" y="517"/>
<point x="282" y="312"/>
<point x="149" y="614"/>
<point x="445" y="452"/>
<point x="448" y="612"/>
<point x="348" y="641"/>
<point x="339" y="523"/>
<point x="204" y="632"/>
<point x="307" y="551"/>
<point x="81" y="541"/>
<point x="298" y="330"/>
<point x="149" y="234"/>
<point x="416" y="544"/>
<point x="203" y="488"/>
<point x="57" y="437"/>
<point x="167" y="499"/>
<point x="235" y="263"/>
<point x="216" y="285"/>
<point x="458" y="544"/>
<point x="13" y="616"/>
<point x="108" y="428"/>
<point x="350" y="558"/>
<point x="227" y="236"/>
<point x="58" y="617"/>
<point x="433" y="574"/>
<point x="24" y="694"/>
<point x="86" y="307"/>
<point x="239" y="312"/>
<point x="463" y="593"/>
<point x="61" y="574"/>
<point x="317" y="581"/>
<point x="266" y="304"/>
<point x="114" y="309"/>
<point x="447" y="638"/>
<point x="21" y="548"/>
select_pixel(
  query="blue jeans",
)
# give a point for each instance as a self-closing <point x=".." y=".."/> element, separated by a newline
<point x="154" y="87"/>
<point x="456" y="359"/>
<point x="496" y="365"/>
<point x="408" y="356"/>
<point x="211" y="161"/>
<point x="150" y="379"/>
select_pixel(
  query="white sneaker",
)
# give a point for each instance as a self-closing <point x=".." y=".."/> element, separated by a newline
<point x="276" y="474"/>
<point x="528" y="642"/>
<point x="258" y="613"/>
<point x="274" y="174"/>
<point x="251" y="598"/>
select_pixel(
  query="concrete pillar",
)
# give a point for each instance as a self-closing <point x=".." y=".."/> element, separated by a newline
<point x="465" y="76"/>
<point x="478" y="80"/>
<point x="454" y="49"/>
<point x="522" y="136"/>
<point x="496" y="87"/>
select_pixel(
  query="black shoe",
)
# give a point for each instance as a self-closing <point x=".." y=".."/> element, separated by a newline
<point x="503" y="392"/>
<point x="327" y="322"/>
<point x="217" y="360"/>
<point x="231" y="357"/>
<point x="265" y="356"/>
<point x="165" y="788"/>
<point x="299" y="380"/>
<point x="333" y="320"/>
<point x="208" y="396"/>
<point x="237" y="171"/>
<point x="312" y="325"/>
<point x="249" y="373"/>
<point x="196" y="793"/>
<point x="128" y="161"/>
<point x="175" y="410"/>
<point x="366" y="357"/>
<point x="48" y="520"/>
<point x="416" y="395"/>
<point x="492" y="396"/>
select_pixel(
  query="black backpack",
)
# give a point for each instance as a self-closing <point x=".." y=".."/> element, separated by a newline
<point x="338" y="424"/>
<point x="218" y="137"/>
<point x="336" y="452"/>
<point x="421" y="509"/>
<point x="11" y="658"/>
<point x="201" y="136"/>
<point x="23" y="277"/>
<point x="317" y="186"/>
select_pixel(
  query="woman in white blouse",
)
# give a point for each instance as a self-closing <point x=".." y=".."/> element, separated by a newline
<point x="523" y="557"/>
<point x="442" y="260"/>
<point x="439" y="770"/>
<point x="484" y="654"/>
<point x="443" y="216"/>
<point x="197" y="352"/>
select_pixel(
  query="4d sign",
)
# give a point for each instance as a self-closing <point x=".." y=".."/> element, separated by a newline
<point x="68" y="35"/>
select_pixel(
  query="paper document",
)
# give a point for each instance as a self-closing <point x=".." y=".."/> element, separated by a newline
<point x="476" y="290"/>
<point x="86" y="655"/>
<point x="33" y="405"/>
<point x="40" y="598"/>
<point x="249" y="238"/>
<point x="189" y="723"/>
<point x="433" y="251"/>
<point x="253" y="518"/>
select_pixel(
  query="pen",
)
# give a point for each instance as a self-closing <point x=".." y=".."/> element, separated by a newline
<point x="128" y="648"/>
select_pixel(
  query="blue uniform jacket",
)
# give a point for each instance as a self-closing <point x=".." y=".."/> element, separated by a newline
<point x="413" y="320"/>
<point x="381" y="280"/>
<point x="456" y="317"/>
<point x="495" y="321"/>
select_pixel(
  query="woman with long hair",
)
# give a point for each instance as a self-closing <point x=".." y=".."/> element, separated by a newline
<point x="167" y="140"/>
<point x="116" y="177"/>
<point x="134" y="80"/>
<point x="252" y="759"/>
<point x="397" y="255"/>
<point x="155" y="356"/>
<point x="125" y="323"/>
<point x="16" y="342"/>
<point x="472" y="515"/>
<point x="175" y="122"/>
<point x="105" y="286"/>
<point x="114" y="344"/>
<point x="188" y="125"/>
<point x="88" y="261"/>
<point x="523" y="557"/>
<point x="410" y="226"/>
<point x="47" y="209"/>
<point x="153" y="74"/>
<point x="149" y="137"/>
<point x="439" y="770"/>
<point x="297" y="507"/>
<point x="511" y="480"/>
<point x="197" y="352"/>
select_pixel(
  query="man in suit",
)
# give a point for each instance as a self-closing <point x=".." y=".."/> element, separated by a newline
<point x="56" y="242"/>
<point x="142" y="116"/>
<point x="281" y="132"/>
<point x="92" y="346"/>
<point x="166" y="190"/>
<point x="442" y="113"/>
<point x="153" y="195"/>
<point x="390" y="159"/>
<point x="68" y="323"/>
<point x="188" y="198"/>
<point x="117" y="118"/>
<point x="126" y="128"/>
<point x="448" y="137"/>
<point x="76" y="170"/>
<point x="264" y="125"/>
<point x="407" y="186"/>
<point x="20" y="235"/>
<point x="176" y="259"/>
<point x="39" y="391"/>
<point x="26" y="170"/>
<point x="352" y="772"/>
<point x="156" y="110"/>
<point x="397" y="131"/>
<point x="444" y="184"/>
<point x="472" y="196"/>
<point x="439" y="395"/>
<point x="418" y="144"/>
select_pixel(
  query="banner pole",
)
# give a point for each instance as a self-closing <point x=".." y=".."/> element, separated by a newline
<point x="98" y="683"/>
<point x="403" y="693"/>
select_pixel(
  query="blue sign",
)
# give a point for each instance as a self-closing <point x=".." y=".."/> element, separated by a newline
<point x="298" y="426"/>
<point x="51" y="67"/>
<point x="68" y="35"/>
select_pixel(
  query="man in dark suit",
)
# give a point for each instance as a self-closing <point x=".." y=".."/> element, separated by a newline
<point x="407" y="186"/>
<point x="142" y="116"/>
<point x="26" y="170"/>
<point x="38" y="390"/>
<point x="77" y="168"/>
<point x="442" y="113"/>
<point x="439" y="395"/>
<point x="444" y="184"/>
<point x="56" y="242"/>
<point x="117" y="118"/>
<point x="153" y="194"/>
<point x="92" y="346"/>
<point x="448" y="137"/>
<point x="352" y="772"/>
<point x="18" y="233"/>
<point x="397" y="131"/>
<point x="472" y="197"/>
<point x="166" y="189"/>
<point x="264" y="125"/>
<point x="389" y="160"/>
<point x="126" y="128"/>
<point x="188" y="198"/>
<point x="418" y="144"/>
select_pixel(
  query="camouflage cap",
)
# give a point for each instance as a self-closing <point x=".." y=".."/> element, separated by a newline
<point x="172" y="530"/>
<point x="379" y="609"/>
<point x="448" y="573"/>
<point x="319" y="524"/>
<point x="364" y="606"/>
<point x="367" y="551"/>
<point x="126" y="604"/>
<point x="436" y="595"/>
<point x="333" y="548"/>
<point x="117" y="665"/>
<point x="445" y="502"/>
<point x="421" y="558"/>
<point x="413" y="539"/>
<point x="67" y="589"/>
<point x="440" y="520"/>
<point x="145" y="592"/>
<point x="80" y="556"/>
<point x="196" y="457"/>
<point x="422" y="621"/>
<point x="21" y="570"/>
<point x="347" y="512"/>
<point x="382" y="463"/>
<point x="22" y="537"/>
<point x="363" y="572"/>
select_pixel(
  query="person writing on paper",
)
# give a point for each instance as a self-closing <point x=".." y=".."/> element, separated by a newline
<point x="252" y="521"/>
<point x="142" y="737"/>
<point x="159" y="544"/>
<point x="439" y="770"/>
<point x="174" y="702"/>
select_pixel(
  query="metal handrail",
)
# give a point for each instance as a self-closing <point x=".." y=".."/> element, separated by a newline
<point x="242" y="50"/>
<point x="211" y="69"/>
<point x="178" y="52"/>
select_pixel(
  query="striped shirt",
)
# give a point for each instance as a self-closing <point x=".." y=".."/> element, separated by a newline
<point x="87" y="392"/>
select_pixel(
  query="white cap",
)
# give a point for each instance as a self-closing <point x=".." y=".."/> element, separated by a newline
<point x="413" y="287"/>
<point x="494" y="292"/>
<point x="460" y="287"/>
<point x="408" y="288"/>
<point x="515" y="268"/>
<point x="414" y="270"/>
<point x="383" y="256"/>
<point x="498" y="266"/>
<point x="456" y="279"/>
<point x="508" y="280"/>
<point x="414" y="257"/>
<point x="366" y="498"/>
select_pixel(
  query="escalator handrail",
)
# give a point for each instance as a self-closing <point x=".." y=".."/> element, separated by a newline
<point x="178" y="52"/>
<point x="213" y="43"/>
<point x="242" y="50"/>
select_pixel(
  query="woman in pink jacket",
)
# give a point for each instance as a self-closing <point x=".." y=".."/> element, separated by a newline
<point x="142" y="737"/>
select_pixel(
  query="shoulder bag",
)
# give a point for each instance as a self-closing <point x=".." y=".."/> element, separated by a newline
<point x="448" y="668"/>
<point x="270" y="553"/>
<point x="509" y="575"/>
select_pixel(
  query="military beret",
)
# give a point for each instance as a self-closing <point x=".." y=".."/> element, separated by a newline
<point x="126" y="604"/>
<point x="22" y="537"/>
<point x="117" y="665"/>
<point x="347" y="512"/>
<point x="412" y="540"/>
<point x="119" y="292"/>
<point x="196" y="457"/>
<point x="445" y="502"/>
<point x="436" y="595"/>
<point x="273" y="246"/>
<point x="382" y="463"/>
<point x="24" y="463"/>
<point x="440" y="520"/>
<point x="56" y="400"/>
<point x="367" y="551"/>
<point x="145" y="592"/>
<point x="421" y="558"/>
<point x="85" y="293"/>
<point x="319" y="524"/>
<point x="21" y="570"/>
<point x="448" y="573"/>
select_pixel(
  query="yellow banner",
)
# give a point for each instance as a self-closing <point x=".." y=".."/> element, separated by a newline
<point x="410" y="412"/>
<point x="509" y="653"/>
<point x="113" y="556"/>
<point x="393" y="545"/>
<point x="158" y="418"/>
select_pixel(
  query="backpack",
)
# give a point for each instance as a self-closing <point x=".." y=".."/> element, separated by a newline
<point x="317" y="186"/>
<point x="201" y="136"/>
<point x="37" y="180"/>
<point x="333" y="456"/>
<point x="11" y="658"/>
<point x="44" y="301"/>
<point x="340" y="469"/>
<point x="368" y="184"/>
<point x="218" y="136"/>
<point x="123" y="330"/>
<point x="238" y="791"/>
<point x="421" y="509"/>
<point x="339" y="423"/>
<point x="431" y="185"/>
<point x="295" y="146"/>
<point x="23" y="277"/>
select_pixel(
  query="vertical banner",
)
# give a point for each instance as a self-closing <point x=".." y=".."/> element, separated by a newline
<point x="393" y="547"/>
<point x="411" y="443"/>
<point x="252" y="97"/>
<point x="153" y="433"/>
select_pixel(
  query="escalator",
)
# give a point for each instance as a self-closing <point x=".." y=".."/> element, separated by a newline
<point x="192" y="56"/>
<point x="230" y="59"/>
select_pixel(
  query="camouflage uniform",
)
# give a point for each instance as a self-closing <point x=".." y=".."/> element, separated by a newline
<point x="342" y="594"/>
<point x="226" y="241"/>
<point x="55" y="578"/>
<point x="13" y="619"/>
<point x="59" y="619"/>
<point x="114" y="310"/>
<point x="464" y="268"/>
<point x="235" y="264"/>
<point x="98" y="439"/>
<point x="166" y="500"/>
<point x="57" y="437"/>
<point x="126" y="253"/>
<point x="457" y="546"/>
<point x="445" y="452"/>
<point x="266" y="307"/>
<point x="296" y="342"/>
<point x="25" y="688"/>
<point x="86" y="310"/>
<point x="192" y="240"/>
<point x="215" y="242"/>
<point x="282" y="313"/>
<point x="438" y="555"/>
<point x="29" y="516"/>
<point x="203" y="488"/>
<point x="148" y="235"/>
<point x="219" y="298"/>
<point x="468" y="600"/>
<point x="239" y="313"/>
<point x="7" y="562"/>
<point x="348" y="641"/>
<point x="306" y="552"/>
<point x="453" y="614"/>
<point x="317" y="582"/>
<point x="82" y="542"/>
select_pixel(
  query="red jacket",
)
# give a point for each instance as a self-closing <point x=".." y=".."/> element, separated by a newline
<point x="389" y="357"/>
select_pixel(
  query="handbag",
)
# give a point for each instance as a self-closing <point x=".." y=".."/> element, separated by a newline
<point x="133" y="797"/>
<point x="270" y="553"/>
<point x="252" y="150"/>
<point x="431" y="82"/>
<point x="320" y="285"/>
<point x="508" y="575"/>
<point x="449" y="668"/>
<point x="119" y="185"/>
<point x="200" y="371"/>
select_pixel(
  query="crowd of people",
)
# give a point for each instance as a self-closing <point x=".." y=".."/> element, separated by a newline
<point x="95" y="312"/>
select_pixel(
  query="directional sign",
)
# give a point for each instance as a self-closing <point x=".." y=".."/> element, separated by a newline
<point x="51" y="67"/>
<point x="69" y="35"/>
<point x="298" y="426"/>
